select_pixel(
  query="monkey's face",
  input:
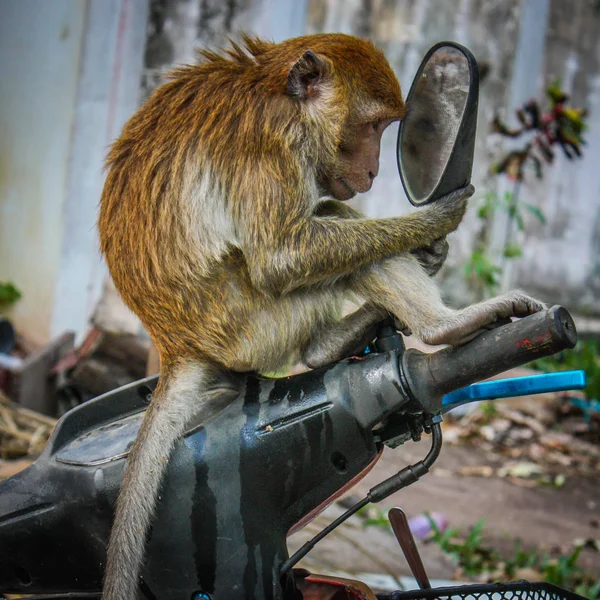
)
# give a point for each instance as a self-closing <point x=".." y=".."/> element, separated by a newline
<point x="357" y="160"/>
<point x="347" y="95"/>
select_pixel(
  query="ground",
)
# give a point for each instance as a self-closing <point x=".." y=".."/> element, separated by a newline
<point x="540" y="515"/>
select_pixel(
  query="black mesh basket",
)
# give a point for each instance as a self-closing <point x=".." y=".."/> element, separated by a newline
<point x="518" y="590"/>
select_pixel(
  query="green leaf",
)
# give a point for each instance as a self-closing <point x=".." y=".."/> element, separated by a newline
<point x="535" y="211"/>
<point x="484" y="211"/>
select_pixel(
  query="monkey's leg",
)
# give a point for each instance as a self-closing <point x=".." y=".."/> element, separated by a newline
<point x="344" y="338"/>
<point x="184" y="390"/>
<point x="402" y="286"/>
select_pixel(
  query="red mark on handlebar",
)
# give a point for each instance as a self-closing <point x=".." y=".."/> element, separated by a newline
<point x="539" y="340"/>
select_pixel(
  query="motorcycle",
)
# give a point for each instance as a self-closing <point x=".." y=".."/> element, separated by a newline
<point x="283" y="449"/>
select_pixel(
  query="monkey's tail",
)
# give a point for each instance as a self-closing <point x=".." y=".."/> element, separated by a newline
<point x="181" y="393"/>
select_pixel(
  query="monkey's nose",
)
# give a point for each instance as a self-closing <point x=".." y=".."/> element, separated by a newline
<point x="373" y="171"/>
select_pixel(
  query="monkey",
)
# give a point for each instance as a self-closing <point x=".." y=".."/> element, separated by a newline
<point x="224" y="226"/>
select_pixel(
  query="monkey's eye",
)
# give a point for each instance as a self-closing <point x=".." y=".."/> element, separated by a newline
<point x="375" y="125"/>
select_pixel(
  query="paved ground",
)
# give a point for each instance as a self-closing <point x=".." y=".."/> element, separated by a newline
<point x="552" y="517"/>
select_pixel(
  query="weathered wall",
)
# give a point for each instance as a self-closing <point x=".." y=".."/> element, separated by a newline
<point x="178" y="27"/>
<point x="175" y="29"/>
<point x="525" y="43"/>
<point x="562" y="259"/>
<point x="70" y="72"/>
<point x="405" y="30"/>
<point x="50" y="151"/>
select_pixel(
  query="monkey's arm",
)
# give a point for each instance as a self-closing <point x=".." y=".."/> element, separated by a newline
<point x="431" y="257"/>
<point x="290" y="250"/>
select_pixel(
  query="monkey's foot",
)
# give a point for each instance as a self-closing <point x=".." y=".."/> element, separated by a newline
<point x="402" y="327"/>
<point x="474" y="320"/>
<point x="432" y="257"/>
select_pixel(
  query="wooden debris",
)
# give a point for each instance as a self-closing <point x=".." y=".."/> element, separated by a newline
<point x="8" y="468"/>
<point x="23" y="432"/>
<point x="521" y="419"/>
<point x="476" y="471"/>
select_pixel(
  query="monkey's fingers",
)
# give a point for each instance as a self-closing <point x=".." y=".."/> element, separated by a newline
<point x="523" y="305"/>
<point x="513" y="304"/>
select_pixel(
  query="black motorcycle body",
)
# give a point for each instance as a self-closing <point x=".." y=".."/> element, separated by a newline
<point x="239" y="484"/>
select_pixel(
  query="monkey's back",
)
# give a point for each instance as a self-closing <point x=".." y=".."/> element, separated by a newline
<point x="179" y="200"/>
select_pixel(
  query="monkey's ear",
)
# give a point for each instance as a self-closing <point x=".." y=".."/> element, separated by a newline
<point x="306" y="76"/>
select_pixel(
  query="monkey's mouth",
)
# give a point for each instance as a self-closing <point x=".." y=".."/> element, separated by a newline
<point x="338" y="188"/>
<point x="347" y="190"/>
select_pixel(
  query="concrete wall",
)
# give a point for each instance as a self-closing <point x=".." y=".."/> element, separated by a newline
<point x="562" y="259"/>
<point x="525" y="43"/>
<point x="71" y="71"/>
<point x="40" y="50"/>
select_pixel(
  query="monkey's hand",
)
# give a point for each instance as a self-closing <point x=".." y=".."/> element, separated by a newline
<point x="432" y="257"/>
<point x="450" y="208"/>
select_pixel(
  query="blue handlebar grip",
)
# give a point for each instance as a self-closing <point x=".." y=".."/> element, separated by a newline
<point x="515" y="386"/>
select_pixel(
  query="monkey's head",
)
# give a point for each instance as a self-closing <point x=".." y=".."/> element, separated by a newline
<point x="347" y="95"/>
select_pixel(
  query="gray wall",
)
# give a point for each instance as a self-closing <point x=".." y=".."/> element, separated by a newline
<point x="75" y="68"/>
<point x="35" y="138"/>
<point x="525" y="44"/>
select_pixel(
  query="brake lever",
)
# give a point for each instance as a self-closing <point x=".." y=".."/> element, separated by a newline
<point x="515" y="386"/>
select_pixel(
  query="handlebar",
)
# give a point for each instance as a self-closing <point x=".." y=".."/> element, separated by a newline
<point x="431" y="376"/>
<point x="428" y="377"/>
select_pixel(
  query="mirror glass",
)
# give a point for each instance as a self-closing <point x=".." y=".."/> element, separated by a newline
<point x="436" y="103"/>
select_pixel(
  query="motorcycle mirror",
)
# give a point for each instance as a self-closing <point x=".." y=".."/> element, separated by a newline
<point x="436" y="139"/>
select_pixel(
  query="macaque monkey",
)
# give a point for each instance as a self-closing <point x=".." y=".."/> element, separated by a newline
<point x="224" y="227"/>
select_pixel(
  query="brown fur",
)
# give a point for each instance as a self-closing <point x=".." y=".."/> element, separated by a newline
<point x="234" y="110"/>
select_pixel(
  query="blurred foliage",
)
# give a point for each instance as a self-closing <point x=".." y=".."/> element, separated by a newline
<point x="475" y="558"/>
<point x="9" y="294"/>
<point x="558" y="126"/>
<point x="480" y="268"/>
<point x="585" y="356"/>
